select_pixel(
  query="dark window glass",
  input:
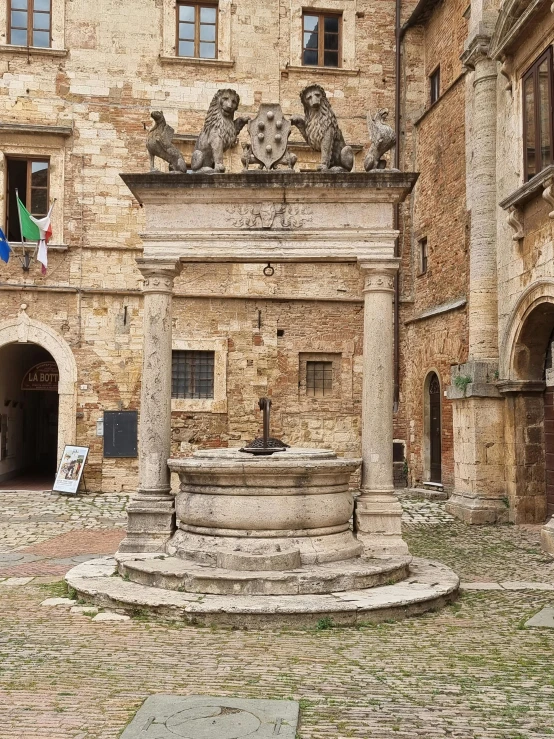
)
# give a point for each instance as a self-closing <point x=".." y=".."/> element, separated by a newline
<point x="319" y="379"/>
<point x="537" y="116"/>
<point x="192" y="374"/>
<point x="30" y="23"/>
<point x="423" y="256"/>
<point x="29" y="178"/>
<point x="435" y="81"/>
<point x="197" y="30"/>
<point x="321" y="40"/>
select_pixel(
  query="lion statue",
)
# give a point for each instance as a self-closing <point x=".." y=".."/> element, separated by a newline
<point x="383" y="139"/>
<point x="320" y="129"/>
<point x="219" y="133"/>
<point x="159" y="144"/>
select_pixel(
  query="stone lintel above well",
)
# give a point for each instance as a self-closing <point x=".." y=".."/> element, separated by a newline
<point x="270" y="216"/>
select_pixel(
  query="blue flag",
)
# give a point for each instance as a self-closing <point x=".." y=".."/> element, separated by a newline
<point x="5" y="248"/>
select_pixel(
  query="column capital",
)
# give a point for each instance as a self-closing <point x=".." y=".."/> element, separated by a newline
<point x="158" y="274"/>
<point x="477" y="51"/>
<point x="379" y="274"/>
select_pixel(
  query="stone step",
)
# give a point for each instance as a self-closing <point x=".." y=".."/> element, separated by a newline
<point x="429" y="586"/>
<point x="426" y="493"/>
<point x="189" y="576"/>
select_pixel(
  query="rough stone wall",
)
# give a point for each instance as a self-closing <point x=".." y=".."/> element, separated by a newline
<point x="435" y="147"/>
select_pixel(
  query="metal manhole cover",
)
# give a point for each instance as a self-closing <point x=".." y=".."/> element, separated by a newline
<point x="206" y="717"/>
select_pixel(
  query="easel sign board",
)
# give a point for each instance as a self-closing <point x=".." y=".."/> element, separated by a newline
<point x="70" y="470"/>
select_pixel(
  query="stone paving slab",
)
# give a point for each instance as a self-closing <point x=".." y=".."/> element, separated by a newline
<point x="544" y="619"/>
<point x="208" y="717"/>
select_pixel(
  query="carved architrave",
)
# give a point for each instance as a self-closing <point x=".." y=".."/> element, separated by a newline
<point x="548" y="194"/>
<point x="515" y="221"/>
<point x="286" y="216"/>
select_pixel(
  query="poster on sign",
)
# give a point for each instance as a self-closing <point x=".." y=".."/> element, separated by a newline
<point x="70" y="470"/>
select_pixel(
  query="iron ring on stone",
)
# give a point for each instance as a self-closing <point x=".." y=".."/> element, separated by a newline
<point x="269" y="271"/>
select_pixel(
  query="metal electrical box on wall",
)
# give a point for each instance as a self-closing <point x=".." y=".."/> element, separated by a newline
<point x="120" y="433"/>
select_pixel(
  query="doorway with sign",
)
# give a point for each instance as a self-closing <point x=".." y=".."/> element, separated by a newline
<point x="28" y="417"/>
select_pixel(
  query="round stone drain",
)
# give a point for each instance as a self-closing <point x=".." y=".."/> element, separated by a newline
<point x="212" y="722"/>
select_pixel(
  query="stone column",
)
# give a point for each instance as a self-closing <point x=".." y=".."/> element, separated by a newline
<point x="151" y="514"/>
<point x="378" y="511"/>
<point x="479" y="452"/>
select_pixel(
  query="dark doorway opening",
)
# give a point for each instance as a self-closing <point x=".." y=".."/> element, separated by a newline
<point x="29" y="412"/>
<point x="435" y="428"/>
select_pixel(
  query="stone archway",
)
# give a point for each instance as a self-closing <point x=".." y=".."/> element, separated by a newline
<point x="26" y="330"/>
<point x="522" y="372"/>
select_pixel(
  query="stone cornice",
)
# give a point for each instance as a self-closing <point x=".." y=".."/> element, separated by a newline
<point x="36" y="129"/>
<point x="512" y="19"/>
<point x="520" y="386"/>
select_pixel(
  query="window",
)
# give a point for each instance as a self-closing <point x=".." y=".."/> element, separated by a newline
<point x="197" y="30"/>
<point x="30" y="22"/>
<point x="423" y="256"/>
<point x="192" y="374"/>
<point x="319" y="379"/>
<point x="29" y="178"/>
<point x="435" y="81"/>
<point x="321" y="40"/>
<point x="537" y="115"/>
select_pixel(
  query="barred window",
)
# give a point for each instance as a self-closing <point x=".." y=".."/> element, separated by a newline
<point x="192" y="374"/>
<point x="319" y="379"/>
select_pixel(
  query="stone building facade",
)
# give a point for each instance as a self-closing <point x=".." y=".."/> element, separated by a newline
<point x="474" y="318"/>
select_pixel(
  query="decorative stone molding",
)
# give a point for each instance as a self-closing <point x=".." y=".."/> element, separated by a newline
<point x="476" y="52"/>
<point x="159" y="275"/>
<point x="548" y="194"/>
<point x="286" y="216"/>
<point x="512" y="18"/>
<point x="507" y="387"/>
<point x="515" y="221"/>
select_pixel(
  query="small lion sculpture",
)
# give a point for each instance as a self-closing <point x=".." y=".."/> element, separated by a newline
<point x="159" y="144"/>
<point x="219" y="133"/>
<point x="321" y="131"/>
<point x="383" y="139"/>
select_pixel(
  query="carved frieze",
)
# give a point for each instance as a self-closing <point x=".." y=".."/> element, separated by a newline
<point x="285" y="216"/>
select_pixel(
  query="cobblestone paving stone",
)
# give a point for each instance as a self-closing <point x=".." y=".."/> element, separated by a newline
<point x="469" y="671"/>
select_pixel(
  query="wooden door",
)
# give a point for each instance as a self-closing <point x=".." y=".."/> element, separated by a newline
<point x="435" y="428"/>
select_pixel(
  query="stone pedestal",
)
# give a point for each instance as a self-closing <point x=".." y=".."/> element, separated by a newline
<point x="151" y="513"/>
<point x="547" y="537"/>
<point x="378" y="511"/>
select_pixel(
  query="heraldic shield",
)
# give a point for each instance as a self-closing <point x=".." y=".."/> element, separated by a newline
<point x="269" y="132"/>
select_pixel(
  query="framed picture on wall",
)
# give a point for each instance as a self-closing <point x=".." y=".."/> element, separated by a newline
<point x="71" y="469"/>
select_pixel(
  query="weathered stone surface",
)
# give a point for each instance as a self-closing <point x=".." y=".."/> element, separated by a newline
<point x="111" y="617"/>
<point x="58" y="602"/>
<point x="544" y="619"/>
<point x="206" y="717"/>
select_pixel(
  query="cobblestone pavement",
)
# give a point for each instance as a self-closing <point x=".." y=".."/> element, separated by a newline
<point x="469" y="671"/>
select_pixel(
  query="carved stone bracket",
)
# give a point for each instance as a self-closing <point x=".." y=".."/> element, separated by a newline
<point x="507" y="70"/>
<point x="284" y="216"/>
<point x="515" y="221"/>
<point x="548" y="194"/>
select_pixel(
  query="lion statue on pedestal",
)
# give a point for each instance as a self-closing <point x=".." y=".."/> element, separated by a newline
<point x="219" y="133"/>
<point x="321" y="131"/>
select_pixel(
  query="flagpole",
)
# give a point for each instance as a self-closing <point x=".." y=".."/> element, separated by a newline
<point x="24" y="263"/>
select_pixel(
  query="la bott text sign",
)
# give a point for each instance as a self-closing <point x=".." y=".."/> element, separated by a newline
<point x="43" y="376"/>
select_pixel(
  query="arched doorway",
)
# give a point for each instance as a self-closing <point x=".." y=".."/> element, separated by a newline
<point x="45" y="420"/>
<point x="29" y="411"/>
<point x="433" y="430"/>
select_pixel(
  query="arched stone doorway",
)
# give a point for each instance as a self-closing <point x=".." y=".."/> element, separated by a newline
<point x="25" y="343"/>
<point x="432" y="429"/>
<point x="529" y="411"/>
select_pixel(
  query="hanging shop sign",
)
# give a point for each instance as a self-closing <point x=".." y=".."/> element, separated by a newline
<point x="43" y="376"/>
<point x="70" y="470"/>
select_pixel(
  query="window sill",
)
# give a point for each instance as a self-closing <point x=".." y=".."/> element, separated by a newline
<point x="33" y="50"/>
<point x="197" y="62"/>
<point x="341" y="71"/>
<point x="197" y="405"/>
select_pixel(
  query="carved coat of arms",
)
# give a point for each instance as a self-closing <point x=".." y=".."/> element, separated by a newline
<point x="269" y="132"/>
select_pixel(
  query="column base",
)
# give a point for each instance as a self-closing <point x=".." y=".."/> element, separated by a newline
<point x="473" y="509"/>
<point x="150" y="523"/>
<point x="547" y="537"/>
<point x="378" y="519"/>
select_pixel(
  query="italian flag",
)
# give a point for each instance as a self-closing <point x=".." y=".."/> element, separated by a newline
<point x="36" y="229"/>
